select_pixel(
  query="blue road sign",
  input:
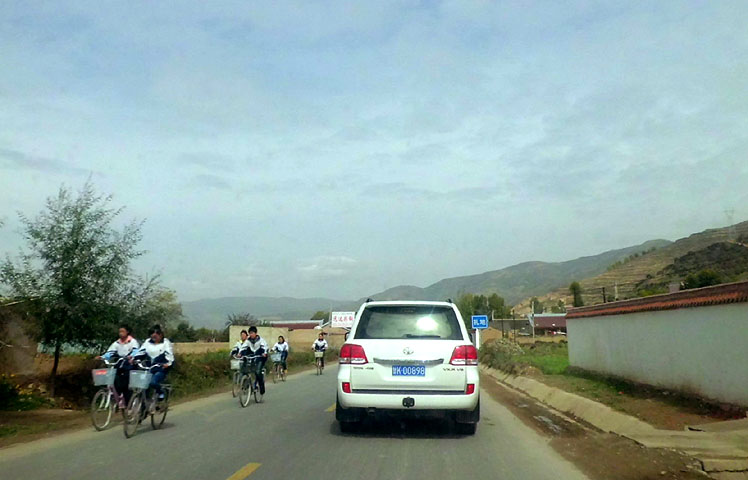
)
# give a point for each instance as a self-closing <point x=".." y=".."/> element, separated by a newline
<point x="480" y="321"/>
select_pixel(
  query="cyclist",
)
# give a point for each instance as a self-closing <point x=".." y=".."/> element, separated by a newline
<point x="282" y="347"/>
<point x="123" y="347"/>
<point x="158" y="351"/>
<point x="258" y="346"/>
<point x="242" y="346"/>
<point x="320" y="345"/>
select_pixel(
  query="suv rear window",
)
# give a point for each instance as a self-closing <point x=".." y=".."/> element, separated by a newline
<point x="408" y="322"/>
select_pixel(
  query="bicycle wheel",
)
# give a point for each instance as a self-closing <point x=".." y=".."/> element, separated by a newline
<point x="133" y="414"/>
<point x="245" y="390"/>
<point x="102" y="407"/>
<point x="276" y="373"/>
<point x="162" y="406"/>
<point x="235" y="385"/>
<point x="319" y="367"/>
<point x="255" y="387"/>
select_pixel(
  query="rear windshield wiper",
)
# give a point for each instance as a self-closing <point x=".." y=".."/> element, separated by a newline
<point x="422" y="336"/>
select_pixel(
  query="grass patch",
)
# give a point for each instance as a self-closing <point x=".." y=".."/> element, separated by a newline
<point x="192" y="374"/>
<point x="18" y="399"/>
<point x="199" y="372"/>
<point x="549" y="358"/>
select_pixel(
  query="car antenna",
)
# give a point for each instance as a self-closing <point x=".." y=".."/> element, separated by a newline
<point x="449" y="300"/>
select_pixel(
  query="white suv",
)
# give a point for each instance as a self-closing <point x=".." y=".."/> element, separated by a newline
<point x="408" y="358"/>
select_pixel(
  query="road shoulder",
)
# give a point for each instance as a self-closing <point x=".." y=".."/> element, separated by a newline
<point x="600" y="455"/>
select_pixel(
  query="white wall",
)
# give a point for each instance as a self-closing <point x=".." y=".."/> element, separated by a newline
<point x="702" y="350"/>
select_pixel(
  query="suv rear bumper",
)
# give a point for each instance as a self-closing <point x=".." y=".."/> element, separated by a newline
<point x="421" y="402"/>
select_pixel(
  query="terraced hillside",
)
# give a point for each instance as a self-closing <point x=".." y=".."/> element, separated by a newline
<point x="519" y="281"/>
<point x="627" y="275"/>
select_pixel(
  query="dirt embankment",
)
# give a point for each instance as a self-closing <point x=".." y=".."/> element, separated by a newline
<point x="600" y="455"/>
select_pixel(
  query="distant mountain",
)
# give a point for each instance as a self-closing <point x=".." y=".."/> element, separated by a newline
<point x="520" y="281"/>
<point x="212" y="312"/>
<point x="668" y="263"/>
<point x="629" y="268"/>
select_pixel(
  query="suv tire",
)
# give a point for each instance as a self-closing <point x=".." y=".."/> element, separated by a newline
<point x="348" y="419"/>
<point x="466" y="428"/>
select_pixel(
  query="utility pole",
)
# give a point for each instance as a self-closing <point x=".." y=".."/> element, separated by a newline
<point x="616" y="291"/>
<point x="532" y="324"/>
<point x="729" y="212"/>
<point x="605" y="299"/>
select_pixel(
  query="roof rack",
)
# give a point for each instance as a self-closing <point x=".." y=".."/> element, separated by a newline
<point x="368" y="300"/>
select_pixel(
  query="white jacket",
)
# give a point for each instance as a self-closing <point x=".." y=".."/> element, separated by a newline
<point x="259" y="347"/>
<point x="122" y="349"/>
<point x="240" y="347"/>
<point x="319" y="345"/>
<point x="157" y="352"/>
<point x="280" y="347"/>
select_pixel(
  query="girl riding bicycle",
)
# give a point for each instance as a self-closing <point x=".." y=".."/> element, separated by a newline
<point x="123" y="347"/>
<point x="282" y="347"/>
<point x="158" y="350"/>
<point x="320" y="345"/>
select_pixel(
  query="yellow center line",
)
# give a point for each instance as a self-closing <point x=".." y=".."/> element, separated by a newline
<point x="245" y="471"/>
<point x="331" y="408"/>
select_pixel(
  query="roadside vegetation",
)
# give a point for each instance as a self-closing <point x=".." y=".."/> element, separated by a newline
<point x="193" y="374"/>
<point x="13" y="397"/>
<point x="74" y="279"/>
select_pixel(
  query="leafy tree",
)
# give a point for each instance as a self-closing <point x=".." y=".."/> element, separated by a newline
<point x="161" y="306"/>
<point x="75" y="274"/>
<point x="704" y="278"/>
<point x="184" y="333"/>
<point x="537" y="305"/>
<point x="466" y="306"/>
<point x="320" y="315"/>
<point x="576" y="291"/>
<point x="559" y="307"/>
<point x="498" y="306"/>
<point x="242" y="319"/>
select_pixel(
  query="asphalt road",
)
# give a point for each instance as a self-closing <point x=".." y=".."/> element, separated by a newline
<point x="292" y="435"/>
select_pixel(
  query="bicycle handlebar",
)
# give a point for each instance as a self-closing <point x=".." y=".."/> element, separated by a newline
<point x="248" y="357"/>
<point x="113" y="364"/>
<point x="139" y="364"/>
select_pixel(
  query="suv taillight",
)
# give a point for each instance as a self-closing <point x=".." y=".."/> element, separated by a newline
<point x="464" y="355"/>
<point x="351" y="354"/>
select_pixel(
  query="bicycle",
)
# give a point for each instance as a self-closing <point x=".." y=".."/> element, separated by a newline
<point x="235" y="365"/>
<point x="107" y="399"/>
<point x="141" y="404"/>
<point x="318" y="356"/>
<point x="248" y="381"/>
<point x="278" y="372"/>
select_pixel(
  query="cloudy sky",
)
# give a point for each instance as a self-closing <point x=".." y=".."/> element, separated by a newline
<point x="339" y="148"/>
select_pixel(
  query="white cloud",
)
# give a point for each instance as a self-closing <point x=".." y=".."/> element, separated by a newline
<point x="327" y="267"/>
<point x="423" y="139"/>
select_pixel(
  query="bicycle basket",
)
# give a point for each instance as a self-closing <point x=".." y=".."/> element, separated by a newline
<point x="319" y="354"/>
<point x="235" y="362"/>
<point x="276" y="357"/>
<point x="140" y="379"/>
<point x="246" y="365"/>
<point x="103" y="376"/>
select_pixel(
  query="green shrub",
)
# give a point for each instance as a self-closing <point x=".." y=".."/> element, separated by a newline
<point x="549" y="358"/>
<point x="16" y="398"/>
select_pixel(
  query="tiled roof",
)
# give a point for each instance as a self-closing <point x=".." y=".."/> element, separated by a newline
<point x="550" y="321"/>
<point x="697" y="297"/>
<point x="296" y="325"/>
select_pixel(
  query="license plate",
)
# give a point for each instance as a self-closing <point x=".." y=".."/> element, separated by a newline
<point x="408" y="370"/>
